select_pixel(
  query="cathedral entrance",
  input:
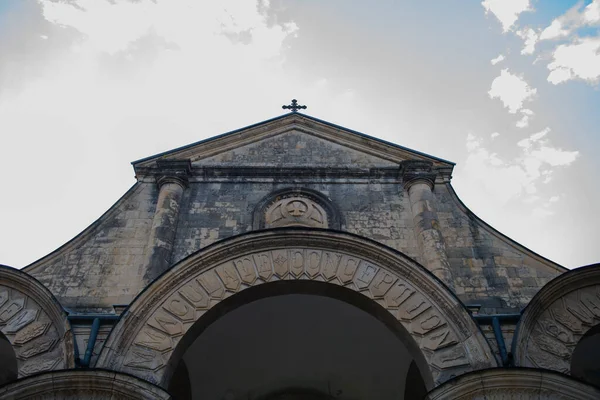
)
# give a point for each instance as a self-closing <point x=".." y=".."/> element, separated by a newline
<point x="292" y="340"/>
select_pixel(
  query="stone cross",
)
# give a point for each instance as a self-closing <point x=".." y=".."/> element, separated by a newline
<point x="294" y="107"/>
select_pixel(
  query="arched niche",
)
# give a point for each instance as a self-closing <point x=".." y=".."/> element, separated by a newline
<point x="514" y="383"/>
<point x="557" y="318"/>
<point x="92" y="384"/>
<point x="34" y="323"/>
<point x="296" y="207"/>
<point x="144" y="340"/>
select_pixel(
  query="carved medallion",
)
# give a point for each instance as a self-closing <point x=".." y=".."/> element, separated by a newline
<point x="295" y="211"/>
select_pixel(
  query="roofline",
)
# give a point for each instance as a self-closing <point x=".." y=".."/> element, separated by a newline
<point x="364" y="135"/>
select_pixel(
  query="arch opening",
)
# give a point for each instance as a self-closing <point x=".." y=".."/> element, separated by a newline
<point x="298" y="339"/>
<point x="8" y="361"/>
<point x="585" y="361"/>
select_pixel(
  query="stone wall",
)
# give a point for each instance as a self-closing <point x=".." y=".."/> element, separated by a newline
<point x="215" y="211"/>
<point x="103" y="266"/>
<point x="488" y="269"/>
<point x="225" y="179"/>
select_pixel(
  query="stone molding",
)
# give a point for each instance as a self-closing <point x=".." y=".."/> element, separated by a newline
<point x="34" y="323"/>
<point x="172" y="171"/>
<point x="178" y="180"/>
<point x="300" y="123"/>
<point x="556" y="319"/>
<point x="146" y="337"/>
<point x="334" y="217"/>
<point x="414" y="172"/>
<point x="514" y="383"/>
<point x="96" y="384"/>
<point x="268" y="174"/>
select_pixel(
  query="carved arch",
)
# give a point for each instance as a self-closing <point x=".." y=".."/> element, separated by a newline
<point x="514" y="383"/>
<point x="315" y="201"/>
<point x="82" y="384"/>
<point x="557" y="317"/>
<point x="145" y="338"/>
<point x="34" y="323"/>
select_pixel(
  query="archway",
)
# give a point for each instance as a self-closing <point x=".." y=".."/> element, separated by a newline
<point x="287" y="339"/>
<point x="33" y="324"/>
<point x="585" y="361"/>
<point x="8" y="361"/>
<point x="514" y="383"/>
<point x="145" y="339"/>
<point x="557" y="318"/>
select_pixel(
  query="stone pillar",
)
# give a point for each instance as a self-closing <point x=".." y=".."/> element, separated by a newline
<point x="419" y="180"/>
<point x="171" y="179"/>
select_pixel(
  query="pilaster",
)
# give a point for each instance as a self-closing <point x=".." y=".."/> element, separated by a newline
<point x="419" y="181"/>
<point x="171" y="179"/>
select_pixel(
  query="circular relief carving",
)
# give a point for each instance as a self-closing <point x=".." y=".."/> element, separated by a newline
<point x="295" y="211"/>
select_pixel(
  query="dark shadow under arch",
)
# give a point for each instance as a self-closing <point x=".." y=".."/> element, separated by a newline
<point x="8" y="361"/>
<point x="285" y="287"/>
<point x="585" y="360"/>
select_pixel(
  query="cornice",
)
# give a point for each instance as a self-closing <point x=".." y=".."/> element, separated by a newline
<point x="300" y="123"/>
<point x="416" y="171"/>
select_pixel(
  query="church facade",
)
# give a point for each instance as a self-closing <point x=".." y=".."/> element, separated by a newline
<point x="296" y="259"/>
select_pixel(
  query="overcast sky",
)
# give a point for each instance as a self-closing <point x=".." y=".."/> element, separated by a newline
<point x="507" y="89"/>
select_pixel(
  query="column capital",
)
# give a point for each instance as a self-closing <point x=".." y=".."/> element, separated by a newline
<point x="172" y="171"/>
<point x="415" y="171"/>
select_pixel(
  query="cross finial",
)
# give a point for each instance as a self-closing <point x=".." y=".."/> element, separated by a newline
<point x="294" y="107"/>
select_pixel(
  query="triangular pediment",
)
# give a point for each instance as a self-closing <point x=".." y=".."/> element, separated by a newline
<point x="293" y="140"/>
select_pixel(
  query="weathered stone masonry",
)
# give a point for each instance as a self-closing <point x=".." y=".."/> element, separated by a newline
<point x="171" y="179"/>
<point x="274" y="202"/>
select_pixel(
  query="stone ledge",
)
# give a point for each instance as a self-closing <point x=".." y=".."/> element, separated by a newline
<point x="514" y="383"/>
<point x="97" y="384"/>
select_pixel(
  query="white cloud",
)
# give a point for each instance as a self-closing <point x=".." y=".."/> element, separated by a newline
<point x="545" y="209"/>
<point x="494" y="135"/>
<point x="497" y="59"/>
<point x="503" y="180"/>
<point x="507" y="11"/>
<point x="512" y="90"/>
<point x="554" y="156"/>
<point x="526" y="143"/>
<point x="544" y="152"/>
<point x="591" y="14"/>
<point x="579" y="60"/>
<point x="572" y="20"/>
<point x="530" y="38"/>
<point x="554" y="30"/>
<point x="523" y="122"/>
